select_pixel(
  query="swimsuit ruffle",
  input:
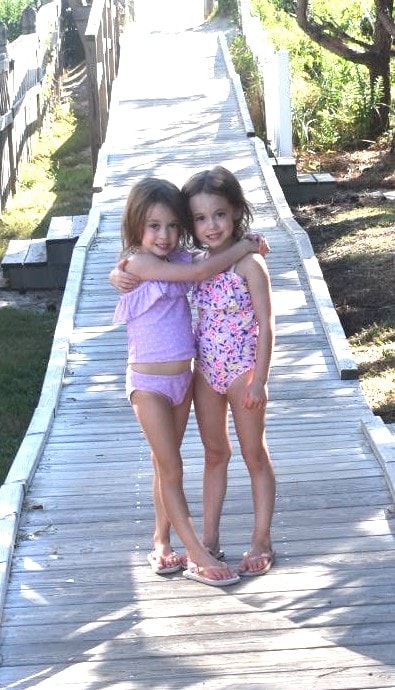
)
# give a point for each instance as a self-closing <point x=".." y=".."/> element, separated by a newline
<point x="141" y="299"/>
<point x="137" y="302"/>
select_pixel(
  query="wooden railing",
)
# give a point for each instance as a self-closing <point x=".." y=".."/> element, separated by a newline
<point x="30" y="68"/>
<point x="101" y="45"/>
<point x="274" y="73"/>
<point x="27" y="66"/>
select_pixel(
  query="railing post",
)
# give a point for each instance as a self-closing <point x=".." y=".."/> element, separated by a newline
<point x="101" y="46"/>
<point x="274" y="70"/>
<point x="6" y="119"/>
<point x="284" y="129"/>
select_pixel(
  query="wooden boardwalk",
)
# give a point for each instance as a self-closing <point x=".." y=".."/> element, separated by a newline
<point x="81" y="608"/>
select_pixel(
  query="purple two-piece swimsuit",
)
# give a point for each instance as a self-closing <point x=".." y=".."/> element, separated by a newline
<point x="159" y="329"/>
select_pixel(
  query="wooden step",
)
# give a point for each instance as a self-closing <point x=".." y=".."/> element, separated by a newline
<point x="40" y="264"/>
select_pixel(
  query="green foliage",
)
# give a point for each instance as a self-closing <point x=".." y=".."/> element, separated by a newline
<point x="227" y="8"/>
<point x="244" y="63"/>
<point x="332" y="106"/>
<point x="10" y="15"/>
<point x="25" y="343"/>
<point x="56" y="181"/>
<point x="247" y="69"/>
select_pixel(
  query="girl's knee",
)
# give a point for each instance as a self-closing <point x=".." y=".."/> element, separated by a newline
<point x="256" y="459"/>
<point x="216" y="456"/>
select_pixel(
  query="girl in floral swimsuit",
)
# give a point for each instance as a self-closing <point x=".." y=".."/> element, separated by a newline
<point x="160" y="350"/>
<point x="234" y="341"/>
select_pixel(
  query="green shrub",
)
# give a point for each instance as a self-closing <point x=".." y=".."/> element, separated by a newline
<point x="227" y="8"/>
<point x="331" y="102"/>
<point x="247" y="69"/>
<point x="10" y="15"/>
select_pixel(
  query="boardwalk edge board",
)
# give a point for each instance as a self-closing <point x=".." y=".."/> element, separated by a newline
<point x="383" y="445"/>
<point x="234" y="77"/>
<point x="341" y="350"/>
<point x="345" y="362"/>
<point x="13" y="491"/>
<point x="11" y="502"/>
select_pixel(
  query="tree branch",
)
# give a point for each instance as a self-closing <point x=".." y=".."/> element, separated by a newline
<point x="327" y="40"/>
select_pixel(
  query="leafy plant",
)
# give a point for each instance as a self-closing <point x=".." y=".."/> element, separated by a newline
<point x="332" y="105"/>
<point x="10" y="15"/>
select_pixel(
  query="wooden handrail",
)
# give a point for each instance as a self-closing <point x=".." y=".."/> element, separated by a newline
<point x="102" y="56"/>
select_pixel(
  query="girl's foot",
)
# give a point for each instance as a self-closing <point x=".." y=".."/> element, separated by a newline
<point x="165" y="564"/>
<point x="216" y="575"/>
<point x="258" y="564"/>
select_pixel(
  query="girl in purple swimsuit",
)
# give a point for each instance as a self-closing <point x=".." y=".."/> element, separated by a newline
<point x="160" y="350"/>
<point x="234" y="341"/>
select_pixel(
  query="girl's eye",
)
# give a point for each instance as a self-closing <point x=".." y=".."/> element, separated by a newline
<point x="175" y="226"/>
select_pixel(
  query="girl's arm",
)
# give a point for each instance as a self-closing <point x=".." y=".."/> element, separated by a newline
<point x="258" y="279"/>
<point x="146" y="266"/>
<point x="124" y="282"/>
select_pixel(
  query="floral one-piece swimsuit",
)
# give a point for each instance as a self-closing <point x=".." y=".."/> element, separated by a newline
<point x="226" y="330"/>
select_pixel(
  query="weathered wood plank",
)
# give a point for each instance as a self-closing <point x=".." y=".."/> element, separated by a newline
<point x="83" y="607"/>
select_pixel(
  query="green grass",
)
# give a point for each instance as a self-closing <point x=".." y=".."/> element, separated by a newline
<point x="25" y="343"/>
<point x="57" y="181"/>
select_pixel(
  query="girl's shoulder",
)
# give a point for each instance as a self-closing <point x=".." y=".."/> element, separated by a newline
<point x="181" y="255"/>
<point x="250" y="263"/>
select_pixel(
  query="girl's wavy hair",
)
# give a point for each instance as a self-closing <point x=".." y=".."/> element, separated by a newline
<point x="221" y="182"/>
<point x="142" y="196"/>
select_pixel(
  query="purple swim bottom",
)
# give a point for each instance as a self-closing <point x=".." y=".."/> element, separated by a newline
<point x="172" y="386"/>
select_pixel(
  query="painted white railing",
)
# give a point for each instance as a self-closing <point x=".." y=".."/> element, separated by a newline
<point x="274" y="69"/>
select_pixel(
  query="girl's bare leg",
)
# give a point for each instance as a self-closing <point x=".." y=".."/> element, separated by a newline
<point x="162" y="534"/>
<point x="250" y="428"/>
<point x="211" y="412"/>
<point x="157" y="420"/>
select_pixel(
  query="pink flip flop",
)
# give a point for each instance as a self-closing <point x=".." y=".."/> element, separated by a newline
<point x="269" y="557"/>
<point x="201" y="574"/>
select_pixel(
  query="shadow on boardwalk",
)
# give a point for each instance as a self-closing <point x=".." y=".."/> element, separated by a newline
<point x="81" y="607"/>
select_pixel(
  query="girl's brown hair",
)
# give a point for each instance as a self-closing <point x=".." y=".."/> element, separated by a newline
<point x="221" y="182"/>
<point x="142" y="196"/>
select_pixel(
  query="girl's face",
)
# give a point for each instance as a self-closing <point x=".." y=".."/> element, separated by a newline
<point x="161" y="231"/>
<point x="213" y="220"/>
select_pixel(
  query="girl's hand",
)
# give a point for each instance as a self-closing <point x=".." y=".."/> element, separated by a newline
<point x="251" y="243"/>
<point x="124" y="282"/>
<point x="255" y="395"/>
<point x="264" y="247"/>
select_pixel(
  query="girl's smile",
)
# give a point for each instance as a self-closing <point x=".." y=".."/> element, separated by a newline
<point x="161" y="231"/>
<point x="214" y="220"/>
